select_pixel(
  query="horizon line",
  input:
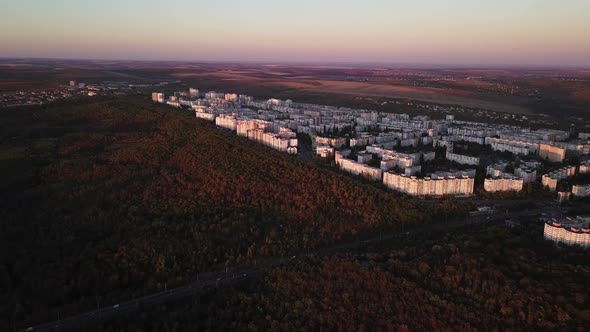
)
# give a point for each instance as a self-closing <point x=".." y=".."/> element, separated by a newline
<point x="401" y="64"/>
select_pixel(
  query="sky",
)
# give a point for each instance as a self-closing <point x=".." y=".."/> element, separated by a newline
<point x="454" y="32"/>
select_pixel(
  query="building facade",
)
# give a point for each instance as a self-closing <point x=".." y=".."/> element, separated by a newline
<point x="581" y="190"/>
<point x="433" y="186"/>
<point x="527" y="174"/>
<point x="505" y="182"/>
<point x="568" y="231"/>
<point x="513" y="146"/>
<point x="551" y="179"/>
<point x="462" y="159"/>
<point x="552" y="153"/>
<point x="357" y="168"/>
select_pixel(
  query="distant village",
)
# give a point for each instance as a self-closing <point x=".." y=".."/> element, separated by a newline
<point x="418" y="156"/>
<point x="69" y="90"/>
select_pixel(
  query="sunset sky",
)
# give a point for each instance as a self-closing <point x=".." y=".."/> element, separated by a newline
<point x="458" y="32"/>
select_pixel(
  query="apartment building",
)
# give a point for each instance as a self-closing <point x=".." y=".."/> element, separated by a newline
<point x="243" y="126"/>
<point x="527" y="174"/>
<point x="364" y="157"/>
<point x="584" y="167"/>
<point x="504" y="182"/>
<point x="551" y="179"/>
<point x="158" y="97"/>
<point x="193" y="93"/>
<point x="324" y="151"/>
<point x="552" y="153"/>
<point x="231" y="97"/>
<point x="357" y="168"/>
<point x="581" y="190"/>
<point x="205" y="115"/>
<point x="335" y="142"/>
<point x="362" y="140"/>
<point x="570" y="231"/>
<point x="513" y="146"/>
<point x="436" y="185"/>
<point x="226" y="121"/>
<point x="462" y="159"/>
<point x="276" y="141"/>
<point x="495" y="170"/>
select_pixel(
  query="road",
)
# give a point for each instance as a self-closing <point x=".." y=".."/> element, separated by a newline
<point x="221" y="279"/>
<point x="107" y="313"/>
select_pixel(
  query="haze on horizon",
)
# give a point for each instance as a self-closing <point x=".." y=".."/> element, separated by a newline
<point x="457" y="32"/>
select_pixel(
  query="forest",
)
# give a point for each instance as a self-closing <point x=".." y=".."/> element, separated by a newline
<point x="103" y="200"/>
<point x="483" y="279"/>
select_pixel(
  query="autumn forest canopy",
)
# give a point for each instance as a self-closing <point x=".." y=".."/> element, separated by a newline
<point x="105" y="200"/>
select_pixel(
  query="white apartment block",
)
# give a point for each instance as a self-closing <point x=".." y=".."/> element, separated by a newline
<point x="388" y="137"/>
<point x="409" y="142"/>
<point x="246" y="99"/>
<point x="538" y="136"/>
<point x="158" y="97"/>
<point x="379" y="151"/>
<point x="549" y="182"/>
<point x="584" y="167"/>
<point x="205" y="115"/>
<point x="552" y="153"/>
<point x="552" y="134"/>
<point x="473" y="131"/>
<point x="357" y="168"/>
<point x="226" y="121"/>
<point x="335" y="142"/>
<point x="575" y="147"/>
<point x="581" y="190"/>
<point x="505" y="182"/>
<point x="363" y="140"/>
<point x="231" y="97"/>
<point x="496" y="170"/>
<point x="243" y="126"/>
<point x="433" y="186"/>
<point x="550" y="179"/>
<point x="456" y="138"/>
<point x="415" y="157"/>
<point x="413" y="124"/>
<point x="443" y="143"/>
<point x="568" y="231"/>
<point x="364" y="157"/>
<point x="411" y="171"/>
<point x="173" y="103"/>
<point x="390" y="161"/>
<point x="563" y="196"/>
<point x="214" y="95"/>
<point x="275" y="101"/>
<point x="324" y="151"/>
<point x="527" y="174"/>
<point x="427" y="156"/>
<point x="462" y="159"/>
<point x="275" y="141"/>
<point x="516" y="147"/>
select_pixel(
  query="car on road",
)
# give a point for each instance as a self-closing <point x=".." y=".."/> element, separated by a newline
<point x="115" y="306"/>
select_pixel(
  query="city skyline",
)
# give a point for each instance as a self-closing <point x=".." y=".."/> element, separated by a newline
<point x="458" y="33"/>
